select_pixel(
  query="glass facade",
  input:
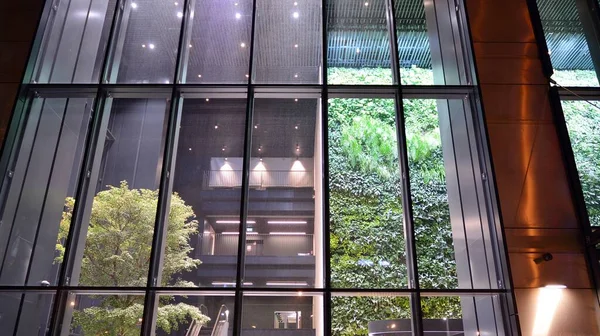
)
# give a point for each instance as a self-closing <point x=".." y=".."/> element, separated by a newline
<point x="239" y="167"/>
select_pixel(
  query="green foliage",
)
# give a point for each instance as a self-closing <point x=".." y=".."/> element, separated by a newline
<point x="583" y="123"/>
<point x="366" y="216"/>
<point x="363" y="76"/>
<point x="575" y="77"/>
<point x="117" y="253"/>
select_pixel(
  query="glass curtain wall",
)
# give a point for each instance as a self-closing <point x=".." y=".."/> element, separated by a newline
<point x="239" y="167"/>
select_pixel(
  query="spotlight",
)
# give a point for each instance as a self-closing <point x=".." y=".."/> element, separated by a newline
<point x="133" y="5"/>
<point x="179" y="15"/>
<point x="296" y="15"/>
<point x="238" y="16"/>
<point x="543" y="257"/>
<point x="152" y="46"/>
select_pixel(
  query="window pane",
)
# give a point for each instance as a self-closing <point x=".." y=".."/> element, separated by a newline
<point x="121" y="225"/>
<point x="195" y="314"/>
<point x="583" y="122"/>
<point x="218" y="42"/>
<point x="284" y="232"/>
<point x="462" y="315"/>
<point x="413" y="43"/>
<point x="74" y="43"/>
<point x="144" y="48"/>
<point x="567" y="45"/>
<point x="25" y="314"/>
<point x="205" y="204"/>
<point x="452" y="236"/>
<point x="46" y="171"/>
<point x="282" y="314"/>
<point x="366" y="223"/>
<point x="358" y="43"/>
<point x="288" y="42"/>
<point x="97" y="314"/>
<point x="375" y="314"/>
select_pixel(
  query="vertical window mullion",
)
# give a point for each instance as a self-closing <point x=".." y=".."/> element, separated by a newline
<point x="325" y="177"/>
<point x="391" y="20"/>
<point x="409" y="232"/>
<point x="151" y="299"/>
<point x="84" y="196"/>
<point x="241" y="253"/>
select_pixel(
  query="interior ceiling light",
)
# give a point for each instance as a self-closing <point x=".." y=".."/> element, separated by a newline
<point x="143" y="46"/>
<point x="287" y="283"/>
<point x="234" y="222"/>
<point x="216" y="126"/>
<point x="133" y="5"/>
<point x="287" y="233"/>
<point x="247" y="75"/>
<point x="190" y="45"/>
<point x="236" y="3"/>
<point x="357" y="50"/>
<point x="190" y="148"/>
<point x="243" y="45"/>
<point x="287" y="222"/>
<point x="238" y="16"/>
<point x="296" y="99"/>
<point x="296" y="76"/>
<point x="199" y="76"/>
<point x="152" y="46"/>
<point x="295" y="4"/>
<point x="207" y="99"/>
<point x="295" y="46"/>
<point x="231" y="233"/>
<point x="296" y="15"/>
<point x="167" y="82"/>
<point x="179" y="15"/>
<point x="176" y="3"/>
<point x="366" y="3"/>
<point x="296" y="127"/>
<point x="256" y="126"/>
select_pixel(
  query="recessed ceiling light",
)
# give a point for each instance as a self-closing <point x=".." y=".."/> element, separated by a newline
<point x="189" y="45"/>
<point x="167" y="82"/>
<point x="247" y="75"/>
<point x="133" y="5"/>
<point x="287" y="222"/>
<point x="152" y="46"/>
<point x="366" y="3"/>
<point x="357" y="50"/>
<point x="243" y="45"/>
<point x="143" y="46"/>
<point x="296" y="15"/>
<point x="236" y="3"/>
<point x="238" y="16"/>
<point x="216" y="126"/>
<point x="207" y="99"/>
<point x="179" y="14"/>
<point x="296" y="76"/>
<point x="296" y="127"/>
<point x="295" y="46"/>
<point x="256" y="126"/>
<point x="176" y="3"/>
<point x="287" y="233"/>
<point x="295" y="4"/>
<point x="199" y="76"/>
<point x="190" y="148"/>
<point x="296" y="99"/>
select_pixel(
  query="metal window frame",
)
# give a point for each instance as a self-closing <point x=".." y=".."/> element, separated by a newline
<point x="103" y="92"/>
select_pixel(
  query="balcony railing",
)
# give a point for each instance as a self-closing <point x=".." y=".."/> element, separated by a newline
<point x="258" y="179"/>
<point x="258" y="245"/>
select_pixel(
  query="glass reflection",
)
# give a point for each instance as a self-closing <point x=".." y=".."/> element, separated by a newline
<point x="207" y="193"/>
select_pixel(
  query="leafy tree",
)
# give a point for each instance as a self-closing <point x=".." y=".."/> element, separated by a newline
<point x="117" y="253"/>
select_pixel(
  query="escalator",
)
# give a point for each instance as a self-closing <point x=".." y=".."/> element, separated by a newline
<point x="220" y="328"/>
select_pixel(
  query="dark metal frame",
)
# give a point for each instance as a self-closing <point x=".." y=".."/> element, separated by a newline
<point x="103" y="91"/>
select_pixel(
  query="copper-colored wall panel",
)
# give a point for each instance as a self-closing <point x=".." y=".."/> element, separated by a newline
<point x="514" y="103"/>
<point x="567" y="269"/>
<point x="574" y="314"/>
<point x="18" y="25"/>
<point x="535" y="199"/>
<point x="500" y="21"/>
<point x="543" y="240"/>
